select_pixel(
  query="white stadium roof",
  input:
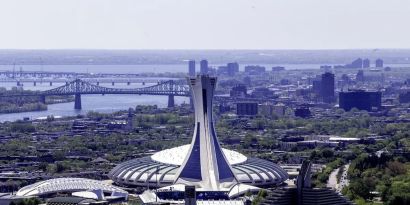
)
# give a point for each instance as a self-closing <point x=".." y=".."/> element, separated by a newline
<point x="160" y="169"/>
<point x="176" y="156"/>
<point x="66" y="185"/>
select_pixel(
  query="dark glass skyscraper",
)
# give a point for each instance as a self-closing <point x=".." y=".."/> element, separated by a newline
<point x="327" y="91"/>
<point x="360" y="76"/>
<point x="366" y="63"/>
<point x="232" y="68"/>
<point x="358" y="63"/>
<point x="379" y="63"/>
<point x="191" y="68"/>
<point x="360" y="99"/>
<point x="204" y="67"/>
<point x="246" y="108"/>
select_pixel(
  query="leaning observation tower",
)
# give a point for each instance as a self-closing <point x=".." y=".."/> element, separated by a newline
<point x="203" y="163"/>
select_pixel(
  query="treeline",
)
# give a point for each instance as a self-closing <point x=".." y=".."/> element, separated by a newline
<point x="27" y="103"/>
<point x="384" y="174"/>
<point x="29" y="201"/>
<point x="25" y="107"/>
<point x="147" y="121"/>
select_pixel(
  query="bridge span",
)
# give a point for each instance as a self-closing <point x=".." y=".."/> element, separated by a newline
<point x="78" y="87"/>
<point x="36" y="81"/>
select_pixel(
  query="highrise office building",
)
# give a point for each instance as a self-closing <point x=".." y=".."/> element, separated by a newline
<point x="360" y="76"/>
<point x="404" y="97"/>
<point x="246" y="108"/>
<point x="358" y="63"/>
<point x="238" y="91"/>
<point x="327" y="87"/>
<point x="360" y="99"/>
<point x="233" y="68"/>
<point x="379" y="63"/>
<point x="191" y="68"/>
<point x="317" y="85"/>
<point x="366" y="63"/>
<point x="204" y="67"/>
<point x="303" y="111"/>
<point x="230" y="69"/>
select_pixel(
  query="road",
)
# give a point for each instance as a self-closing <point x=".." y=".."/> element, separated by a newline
<point x="332" y="182"/>
<point x="343" y="179"/>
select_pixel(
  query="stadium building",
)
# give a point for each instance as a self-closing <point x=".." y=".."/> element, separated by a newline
<point x="216" y="173"/>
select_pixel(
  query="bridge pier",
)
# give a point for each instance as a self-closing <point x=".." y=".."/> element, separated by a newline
<point x="77" y="101"/>
<point x="171" y="101"/>
<point x="43" y="99"/>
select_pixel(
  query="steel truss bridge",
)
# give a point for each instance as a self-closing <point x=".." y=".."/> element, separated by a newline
<point x="79" y="87"/>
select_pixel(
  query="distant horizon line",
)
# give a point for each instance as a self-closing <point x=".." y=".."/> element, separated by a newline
<point x="183" y="49"/>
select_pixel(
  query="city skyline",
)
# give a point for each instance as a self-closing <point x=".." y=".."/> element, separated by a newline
<point x="243" y="24"/>
<point x="231" y="102"/>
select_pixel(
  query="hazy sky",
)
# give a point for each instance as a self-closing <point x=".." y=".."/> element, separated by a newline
<point x="204" y="24"/>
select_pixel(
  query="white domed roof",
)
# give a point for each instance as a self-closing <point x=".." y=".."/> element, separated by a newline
<point x="66" y="185"/>
<point x="176" y="156"/>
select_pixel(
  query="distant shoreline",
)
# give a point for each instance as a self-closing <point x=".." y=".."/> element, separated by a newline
<point x="172" y="57"/>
